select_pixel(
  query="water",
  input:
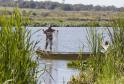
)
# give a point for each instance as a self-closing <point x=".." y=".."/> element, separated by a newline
<point x="68" y="39"/>
<point x="57" y="72"/>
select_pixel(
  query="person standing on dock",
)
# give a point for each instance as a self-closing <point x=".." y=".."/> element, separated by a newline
<point x="49" y="37"/>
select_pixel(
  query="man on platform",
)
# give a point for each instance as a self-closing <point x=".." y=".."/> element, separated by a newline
<point x="49" y="37"/>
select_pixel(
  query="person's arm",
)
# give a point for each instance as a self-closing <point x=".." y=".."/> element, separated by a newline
<point x="55" y="30"/>
<point x="44" y="31"/>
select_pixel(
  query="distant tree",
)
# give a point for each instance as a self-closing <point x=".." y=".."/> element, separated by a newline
<point x="33" y="4"/>
<point x="122" y="9"/>
<point x="55" y="5"/>
<point x="77" y="7"/>
<point x="67" y="7"/>
<point x="25" y="4"/>
<point x="97" y="8"/>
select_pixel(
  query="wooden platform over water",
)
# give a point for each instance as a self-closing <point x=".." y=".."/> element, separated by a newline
<point x="62" y="55"/>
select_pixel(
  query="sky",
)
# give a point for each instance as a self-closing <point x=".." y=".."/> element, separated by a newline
<point x="117" y="3"/>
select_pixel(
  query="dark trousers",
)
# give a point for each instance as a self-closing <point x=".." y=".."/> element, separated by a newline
<point x="49" y="42"/>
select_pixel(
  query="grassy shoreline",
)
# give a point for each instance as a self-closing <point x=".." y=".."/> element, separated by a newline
<point x="59" y="18"/>
<point x="70" y="24"/>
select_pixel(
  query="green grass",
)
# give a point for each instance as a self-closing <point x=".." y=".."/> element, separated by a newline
<point x="16" y="49"/>
<point x="41" y="17"/>
<point x="104" y="68"/>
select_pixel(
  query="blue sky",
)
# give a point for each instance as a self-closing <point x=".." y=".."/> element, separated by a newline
<point x="117" y="3"/>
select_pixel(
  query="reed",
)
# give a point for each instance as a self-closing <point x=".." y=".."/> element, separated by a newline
<point x="107" y="67"/>
<point x="16" y="49"/>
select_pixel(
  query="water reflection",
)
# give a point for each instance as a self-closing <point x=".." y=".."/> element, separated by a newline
<point x="57" y="72"/>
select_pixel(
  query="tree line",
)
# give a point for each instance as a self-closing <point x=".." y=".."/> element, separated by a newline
<point x="55" y="5"/>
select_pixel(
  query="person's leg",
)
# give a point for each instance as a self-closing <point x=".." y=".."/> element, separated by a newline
<point x="46" y="43"/>
<point x="51" y="44"/>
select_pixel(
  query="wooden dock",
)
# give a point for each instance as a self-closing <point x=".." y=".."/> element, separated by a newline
<point x="62" y="55"/>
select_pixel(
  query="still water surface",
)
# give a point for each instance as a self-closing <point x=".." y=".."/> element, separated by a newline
<point x="68" y="39"/>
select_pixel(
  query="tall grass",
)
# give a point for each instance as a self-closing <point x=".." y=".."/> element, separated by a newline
<point x="16" y="49"/>
<point x="107" y="67"/>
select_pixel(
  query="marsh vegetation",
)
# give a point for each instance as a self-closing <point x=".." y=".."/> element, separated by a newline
<point x="60" y="18"/>
<point x="16" y="51"/>
<point x="16" y="48"/>
<point x="104" y="68"/>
